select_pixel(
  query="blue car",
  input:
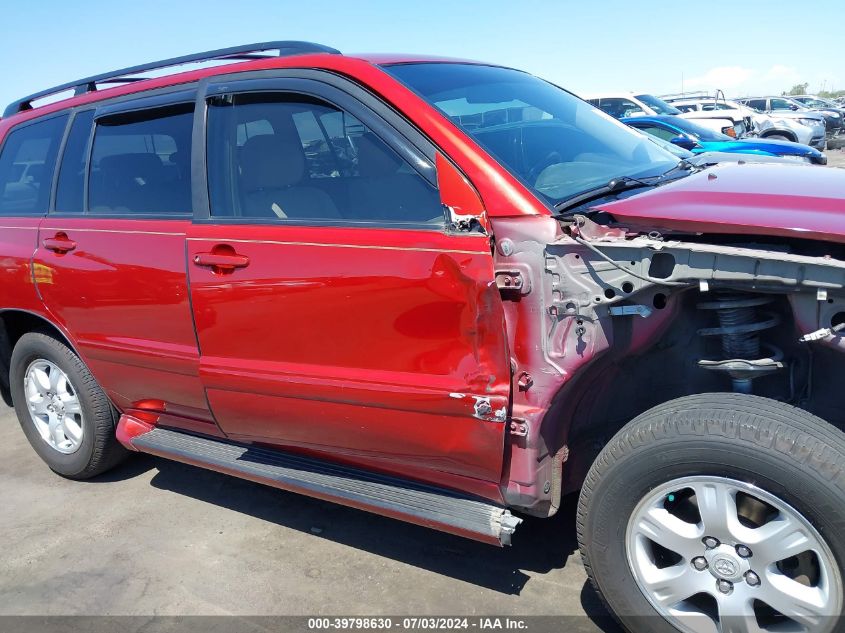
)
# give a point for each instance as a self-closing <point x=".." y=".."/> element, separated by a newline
<point x="697" y="139"/>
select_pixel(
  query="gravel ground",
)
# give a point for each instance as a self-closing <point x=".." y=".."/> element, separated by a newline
<point x="836" y="158"/>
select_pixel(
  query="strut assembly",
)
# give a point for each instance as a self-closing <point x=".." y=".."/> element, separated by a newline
<point x="740" y="323"/>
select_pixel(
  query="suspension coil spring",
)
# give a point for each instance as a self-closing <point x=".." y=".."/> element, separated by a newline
<point x="740" y="323"/>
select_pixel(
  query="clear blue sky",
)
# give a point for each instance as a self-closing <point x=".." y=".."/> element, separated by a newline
<point x="587" y="46"/>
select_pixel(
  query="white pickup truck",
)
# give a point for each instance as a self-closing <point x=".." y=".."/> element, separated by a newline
<point x="732" y="122"/>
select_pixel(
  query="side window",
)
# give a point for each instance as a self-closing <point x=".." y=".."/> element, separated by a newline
<point x="781" y="104"/>
<point x="757" y="104"/>
<point x="141" y="162"/>
<point x="660" y="132"/>
<point x="71" y="185"/>
<point x="687" y="107"/>
<point x="285" y="156"/>
<point x="27" y="162"/>
<point x="619" y="108"/>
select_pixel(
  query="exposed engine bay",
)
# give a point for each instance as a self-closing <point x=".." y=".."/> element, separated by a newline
<point x="631" y="320"/>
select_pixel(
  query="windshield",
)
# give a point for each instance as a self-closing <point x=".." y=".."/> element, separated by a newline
<point x="815" y="103"/>
<point x="557" y="144"/>
<point x="658" y="105"/>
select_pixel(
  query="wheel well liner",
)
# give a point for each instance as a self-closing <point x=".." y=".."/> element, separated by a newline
<point x="779" y="132"/>
<point x="13" y="325"/>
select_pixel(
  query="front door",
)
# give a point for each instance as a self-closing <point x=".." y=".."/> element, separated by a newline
<point x="335" y="310"/>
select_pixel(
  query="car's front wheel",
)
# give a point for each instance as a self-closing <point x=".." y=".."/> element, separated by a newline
<point x="719" y="513"/>
<point x="62" y="410"/>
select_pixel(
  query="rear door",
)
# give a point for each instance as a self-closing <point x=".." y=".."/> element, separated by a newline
<point x="110" y="263"/>
<point x="27" y="165"/>
<point x="335" y="309"/>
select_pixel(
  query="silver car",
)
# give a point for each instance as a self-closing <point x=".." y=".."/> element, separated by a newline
<point x="770" y="126"/>
<point x="786" y="108"/>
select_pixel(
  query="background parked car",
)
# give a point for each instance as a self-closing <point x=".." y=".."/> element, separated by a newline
<point x="707" y="159"/>
<point x="823" y="105"/>
<point x="763" y="125"/>
<point x="788" y="107"/>
<point x="619" y="105"/>
<point x="698" y="139"/>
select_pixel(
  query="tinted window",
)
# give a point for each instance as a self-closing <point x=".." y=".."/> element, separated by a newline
<point x="553" y="141"/>
<point x="699" y="131"/>
<point x="659" y="132"/>
<point x="619" y="108"/>
<point x="757" y="104"/>
<point x="280" y="156"/>
<point x="141" y="162"/>
<point x="27" y="161"/>
<point x="71" y="185"/>
<point x="783" y="104"/>
<point x="658" y="105"/>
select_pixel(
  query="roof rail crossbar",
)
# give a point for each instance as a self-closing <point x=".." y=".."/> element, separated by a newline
<point x="233" y="53"/>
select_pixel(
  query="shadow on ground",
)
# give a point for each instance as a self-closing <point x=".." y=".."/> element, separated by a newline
<point x="540" y="545"/>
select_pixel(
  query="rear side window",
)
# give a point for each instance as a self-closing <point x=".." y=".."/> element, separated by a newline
<point x="27" y="162"/>
<point x="281" y="156"/>
<point x="659" y="132"/>
<point x="141" y="162"/>
<point x="71" y="185"/>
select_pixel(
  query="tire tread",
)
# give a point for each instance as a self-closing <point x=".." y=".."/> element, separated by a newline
<point x="792" y="432"/>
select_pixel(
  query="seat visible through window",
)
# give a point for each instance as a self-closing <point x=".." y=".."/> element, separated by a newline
<point x="273" y="182"/>
<point x="283" y="156"/>
<point x="140" y="162"/>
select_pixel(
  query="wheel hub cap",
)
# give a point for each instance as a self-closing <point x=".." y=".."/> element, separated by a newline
<point x="724" y="564"/>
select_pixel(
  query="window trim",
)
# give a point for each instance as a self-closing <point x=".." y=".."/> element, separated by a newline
<point x="60" y="159"/>
<point x="388" y="125"/>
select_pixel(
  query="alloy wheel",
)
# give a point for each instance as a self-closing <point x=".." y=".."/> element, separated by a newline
<point x="716" y="555"/>
<point x="54" y="406"/>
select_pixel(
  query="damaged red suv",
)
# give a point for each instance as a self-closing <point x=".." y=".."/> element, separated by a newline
<point x="445" y="292"/>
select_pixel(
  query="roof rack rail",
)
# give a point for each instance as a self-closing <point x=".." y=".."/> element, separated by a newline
<point x="234" y="53"/>
<point x="690" y="94"/>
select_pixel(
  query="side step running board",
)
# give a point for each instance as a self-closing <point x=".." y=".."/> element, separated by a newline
<point x="398" y="498"/>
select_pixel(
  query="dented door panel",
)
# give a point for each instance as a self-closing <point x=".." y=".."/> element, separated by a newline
<point x="379" y="344"/>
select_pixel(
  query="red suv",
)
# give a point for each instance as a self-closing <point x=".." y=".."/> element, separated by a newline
<point x="449" y="293"/>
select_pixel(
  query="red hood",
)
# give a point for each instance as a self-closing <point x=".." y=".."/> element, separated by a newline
<point x="758" y="199"/>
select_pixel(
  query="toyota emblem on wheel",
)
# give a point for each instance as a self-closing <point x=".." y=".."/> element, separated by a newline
<point x="725" y="567"/>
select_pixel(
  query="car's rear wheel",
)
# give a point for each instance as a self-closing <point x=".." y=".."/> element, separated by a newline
<point x="719" y="513"/>
<point x="62" y="410"/>
<point x="777" y="137"/>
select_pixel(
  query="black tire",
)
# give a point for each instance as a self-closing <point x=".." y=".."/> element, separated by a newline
<point x="777" y="137"/>
<point x="785" y="451"/>
<point x="99" y="450"/>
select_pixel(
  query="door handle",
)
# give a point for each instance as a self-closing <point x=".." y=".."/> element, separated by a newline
<point x="221" y="262"/>
<point x="60" y="243"/>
